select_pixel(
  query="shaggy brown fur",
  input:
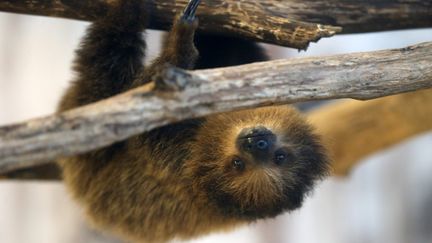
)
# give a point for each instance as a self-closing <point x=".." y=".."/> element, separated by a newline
<point x="190" y="178"/>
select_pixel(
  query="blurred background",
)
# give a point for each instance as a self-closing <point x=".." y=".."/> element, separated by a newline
<point x="387" y="198"/>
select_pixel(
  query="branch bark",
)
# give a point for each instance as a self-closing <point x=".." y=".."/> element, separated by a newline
<point x="228" y="15"/>
<point x="251" y="20"/>
<point x="359" y="76"/>
<point x="357" y="129"/>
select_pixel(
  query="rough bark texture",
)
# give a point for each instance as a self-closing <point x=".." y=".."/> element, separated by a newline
<point x="203" y="92"/>
<point x="351" y="129"/>
<point x="251" y="20"/>
<point x="354" y="129"/>
<point x="227" y="15"/>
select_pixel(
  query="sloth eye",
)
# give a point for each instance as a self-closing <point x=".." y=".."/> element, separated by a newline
<point x="282" y="156"/>
<point x="238" y="164"/>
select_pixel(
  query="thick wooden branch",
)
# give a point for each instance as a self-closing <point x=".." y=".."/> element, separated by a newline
<point x="351" y="129"/>
<point x="279" y="22"/>
<point x="252" y="20"/>
<point x="354" y="16"/>
<point x="359" y="76"/>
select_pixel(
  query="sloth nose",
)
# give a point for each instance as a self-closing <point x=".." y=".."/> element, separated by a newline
<point x="257" y="141"/>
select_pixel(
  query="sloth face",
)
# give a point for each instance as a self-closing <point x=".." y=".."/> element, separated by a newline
<point x="257" y="163"/>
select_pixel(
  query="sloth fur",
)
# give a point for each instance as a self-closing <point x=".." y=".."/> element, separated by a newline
<point x="197" y="176"/>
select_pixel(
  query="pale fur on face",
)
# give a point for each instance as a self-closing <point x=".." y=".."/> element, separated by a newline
<point x="261" y="188"/>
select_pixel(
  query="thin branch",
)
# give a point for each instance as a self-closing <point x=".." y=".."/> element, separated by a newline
<point x="251" y="20"/>
<point x="48" y="171"/>
<point x="360" y="76"/>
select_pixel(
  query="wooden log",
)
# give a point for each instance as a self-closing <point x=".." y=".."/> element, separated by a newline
<point x="351" y="129"/>
<point x="283" y="81"/>
<point x="203" y="92"/>
<point x="250" y="20"/>
<point x="218" y="15"/>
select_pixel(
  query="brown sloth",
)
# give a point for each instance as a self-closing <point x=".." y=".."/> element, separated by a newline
<point x="197" y="176"/>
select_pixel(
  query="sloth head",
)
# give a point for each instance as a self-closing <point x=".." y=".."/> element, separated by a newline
<point x="257" y="163"/>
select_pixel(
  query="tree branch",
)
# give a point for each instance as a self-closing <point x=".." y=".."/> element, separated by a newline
<point x="353" y="16"/>
<point x="357" y="129"/>
<point x="203" y="92"/>
<point x="47" y="171"/>
<point x="257" y="19"/>
<point x="250" y="20"/>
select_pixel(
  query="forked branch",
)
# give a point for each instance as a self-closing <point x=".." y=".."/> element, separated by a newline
<point x="360" y="76"/>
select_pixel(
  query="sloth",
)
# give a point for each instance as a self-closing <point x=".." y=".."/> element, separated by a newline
<point x="194" y="177"/>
